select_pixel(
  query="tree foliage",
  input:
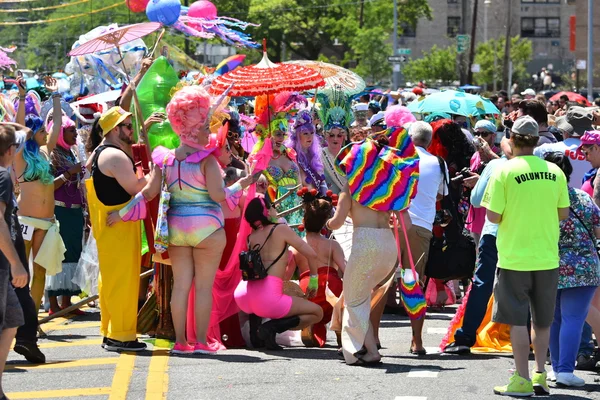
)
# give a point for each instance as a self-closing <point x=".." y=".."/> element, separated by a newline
<point x="521" y="52"/>
<point x="435" y="65"/>
<point x="334" y="30"/>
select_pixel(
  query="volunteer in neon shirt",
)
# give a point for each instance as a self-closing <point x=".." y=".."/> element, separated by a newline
<point x="528" y="258"/>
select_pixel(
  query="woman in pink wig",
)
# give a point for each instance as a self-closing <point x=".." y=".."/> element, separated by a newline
<point x="195" y="219"/>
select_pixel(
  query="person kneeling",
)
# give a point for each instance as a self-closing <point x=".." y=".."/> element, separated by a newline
<point x="263" y="294"/>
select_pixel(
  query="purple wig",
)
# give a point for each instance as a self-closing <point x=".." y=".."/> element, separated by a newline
<point x="312" y="157"/>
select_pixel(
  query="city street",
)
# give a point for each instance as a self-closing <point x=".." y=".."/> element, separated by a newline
<point x="78" y="367"/>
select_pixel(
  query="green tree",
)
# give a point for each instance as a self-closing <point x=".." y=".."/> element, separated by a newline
<point x="372" y="49"/>
<point x="521" y="52"/>
<point x="435" y="65"/>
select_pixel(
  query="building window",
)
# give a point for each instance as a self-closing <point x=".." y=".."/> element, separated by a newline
<point x="452" y="1"/>
<point x="408" y="30"/>
<point x="541" y="1"/>
<point x="540" y="27"/>
<point x="453" y="26"/>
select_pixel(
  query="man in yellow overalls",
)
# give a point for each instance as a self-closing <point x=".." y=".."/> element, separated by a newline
<point x="111" y="186"/>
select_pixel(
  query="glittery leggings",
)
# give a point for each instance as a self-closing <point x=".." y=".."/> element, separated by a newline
<point x="372" y="259"/>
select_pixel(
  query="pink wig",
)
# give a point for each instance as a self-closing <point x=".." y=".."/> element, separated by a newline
<point x="188" y="113"/>
<point x="397" y="116"/>
<point x="66" y="123"/>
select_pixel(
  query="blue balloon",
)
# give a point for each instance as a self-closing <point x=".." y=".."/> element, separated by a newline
<point x="164" y="11"/>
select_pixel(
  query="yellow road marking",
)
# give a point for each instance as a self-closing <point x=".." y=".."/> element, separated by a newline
<point x="66" y="364"/>
<point x="122" y="377"/>
<point x="75" y="325"/>
<point x="54" y="394"/>
<point x="51" y="345"/>
<point x="157" y="384"/>
<point x="85" y="342"/>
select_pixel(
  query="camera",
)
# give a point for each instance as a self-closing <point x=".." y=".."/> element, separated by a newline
<point x="462" y="175"/>
<point x="443" y="217"/>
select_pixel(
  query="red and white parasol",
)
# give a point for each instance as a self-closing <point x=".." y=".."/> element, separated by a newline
<point x="267" y="77"/>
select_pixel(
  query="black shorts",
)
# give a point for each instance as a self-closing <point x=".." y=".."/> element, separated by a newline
<point x="11" y="313"/>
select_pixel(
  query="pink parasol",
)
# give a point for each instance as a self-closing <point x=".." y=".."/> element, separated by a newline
<point x="5" y="61"/>
<point x="115" y="38"/>
<point x="267" y="77"/>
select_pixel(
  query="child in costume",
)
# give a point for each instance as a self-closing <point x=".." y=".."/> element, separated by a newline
<point x="317" y="210"/>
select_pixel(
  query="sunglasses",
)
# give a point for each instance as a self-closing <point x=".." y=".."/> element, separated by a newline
<point x="586" y="150"/>
<point x="128" y="126"/>
<point x="483" y="133"/>
<point x="233" y="135"/>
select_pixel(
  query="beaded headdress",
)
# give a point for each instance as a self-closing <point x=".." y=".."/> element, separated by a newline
<point x="334" y="111"/>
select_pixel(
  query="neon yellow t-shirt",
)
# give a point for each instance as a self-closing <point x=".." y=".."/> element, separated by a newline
<point x="527" y="191"/>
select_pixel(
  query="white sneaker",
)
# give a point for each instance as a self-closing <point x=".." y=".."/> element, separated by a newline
<point x="551" y="376"/>
<point x="569" y="379"/>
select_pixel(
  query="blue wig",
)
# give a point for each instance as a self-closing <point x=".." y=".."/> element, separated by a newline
<point x="38" y="166"/>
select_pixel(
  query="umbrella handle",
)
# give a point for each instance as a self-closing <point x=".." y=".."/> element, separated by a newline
<point x="160" y="36"/>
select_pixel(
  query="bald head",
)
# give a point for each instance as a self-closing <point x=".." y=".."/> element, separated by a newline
<point x="420" y="132"/>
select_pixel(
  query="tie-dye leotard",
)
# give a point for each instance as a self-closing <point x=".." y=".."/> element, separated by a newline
<point x="193" y="215"/>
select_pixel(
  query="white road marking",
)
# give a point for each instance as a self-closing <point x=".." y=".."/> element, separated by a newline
<point x="423" y="373"/>
<point x="410" y="398"/>
<point x="437" y="331"/>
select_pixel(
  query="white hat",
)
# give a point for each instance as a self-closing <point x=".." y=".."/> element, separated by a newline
<point x="377" y="118"/>
<point x="360" y="107"/>
<point x="528" y="92"/>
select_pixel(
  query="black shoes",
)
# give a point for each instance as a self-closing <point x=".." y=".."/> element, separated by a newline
<point x="31" y="352"/>
<point x="115" y="345"/>
<point x="268" y="330"/>
<point x="456" y="348"/>
<point x="255" y="322"/>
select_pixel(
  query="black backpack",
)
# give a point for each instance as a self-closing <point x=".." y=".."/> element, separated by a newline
<point x="251" y="263"/>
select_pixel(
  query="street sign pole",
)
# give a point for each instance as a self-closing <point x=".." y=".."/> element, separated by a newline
<point x="396" y="71"/>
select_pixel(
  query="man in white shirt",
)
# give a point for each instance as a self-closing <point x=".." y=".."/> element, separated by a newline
<point x="430" y="188"/>
<point x="572" y="126"/>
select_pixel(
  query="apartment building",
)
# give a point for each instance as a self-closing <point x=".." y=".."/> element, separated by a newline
<point x="544" y="22"/>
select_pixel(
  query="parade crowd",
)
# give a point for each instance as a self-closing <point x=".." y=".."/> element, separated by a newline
<point x="342" y="203"/>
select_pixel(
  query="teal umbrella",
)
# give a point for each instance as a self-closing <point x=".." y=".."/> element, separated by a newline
<point x="454" y="102"/>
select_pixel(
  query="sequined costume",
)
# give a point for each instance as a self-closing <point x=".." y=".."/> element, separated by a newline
<point x="280" y="182"/>
<point x="373" y="258"/>
<point x="193" y="215"/>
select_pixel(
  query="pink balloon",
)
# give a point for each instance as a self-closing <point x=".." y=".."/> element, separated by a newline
<point x="203" y="9"/>
<point x="137" y="5"/>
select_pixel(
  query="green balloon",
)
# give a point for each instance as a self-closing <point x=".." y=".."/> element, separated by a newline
<point x="153" y="93"/>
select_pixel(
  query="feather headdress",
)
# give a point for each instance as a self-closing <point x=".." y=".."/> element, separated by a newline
<point x="334" y="110"/>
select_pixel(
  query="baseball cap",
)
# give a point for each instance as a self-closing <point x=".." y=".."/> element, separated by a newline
<point x="578" y="119"/>
<point x="113" y="117"/>
<point x="485" y="125"/>
<point x="525" y="125"/>
<point x="590" y="137"/>
<point x="528" y="92"/>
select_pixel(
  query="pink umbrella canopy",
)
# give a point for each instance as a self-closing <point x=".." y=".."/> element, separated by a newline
<point x="115" y="38"/>
<point x="267" y="77"/>
<point x="576" y="97"/>
<point x="5" y="61"/>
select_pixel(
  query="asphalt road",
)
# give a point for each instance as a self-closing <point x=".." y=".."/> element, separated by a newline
<point x="78" y="368"/>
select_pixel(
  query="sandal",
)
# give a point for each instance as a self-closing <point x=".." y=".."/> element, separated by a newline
<point x="421" y="352"/>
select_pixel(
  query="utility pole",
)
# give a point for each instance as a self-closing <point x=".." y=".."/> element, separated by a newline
<point x="361" y="14"/>
<point x="505" y="70"/>
<point x="396" y="73"/>
<point x="187" y="42"/>
<point x="472" y="49"/>
<point x="590" y="52"/>
<point x="463" y="31"/>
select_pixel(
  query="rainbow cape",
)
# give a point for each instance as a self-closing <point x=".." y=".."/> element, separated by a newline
<point x="382" y="178"/>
